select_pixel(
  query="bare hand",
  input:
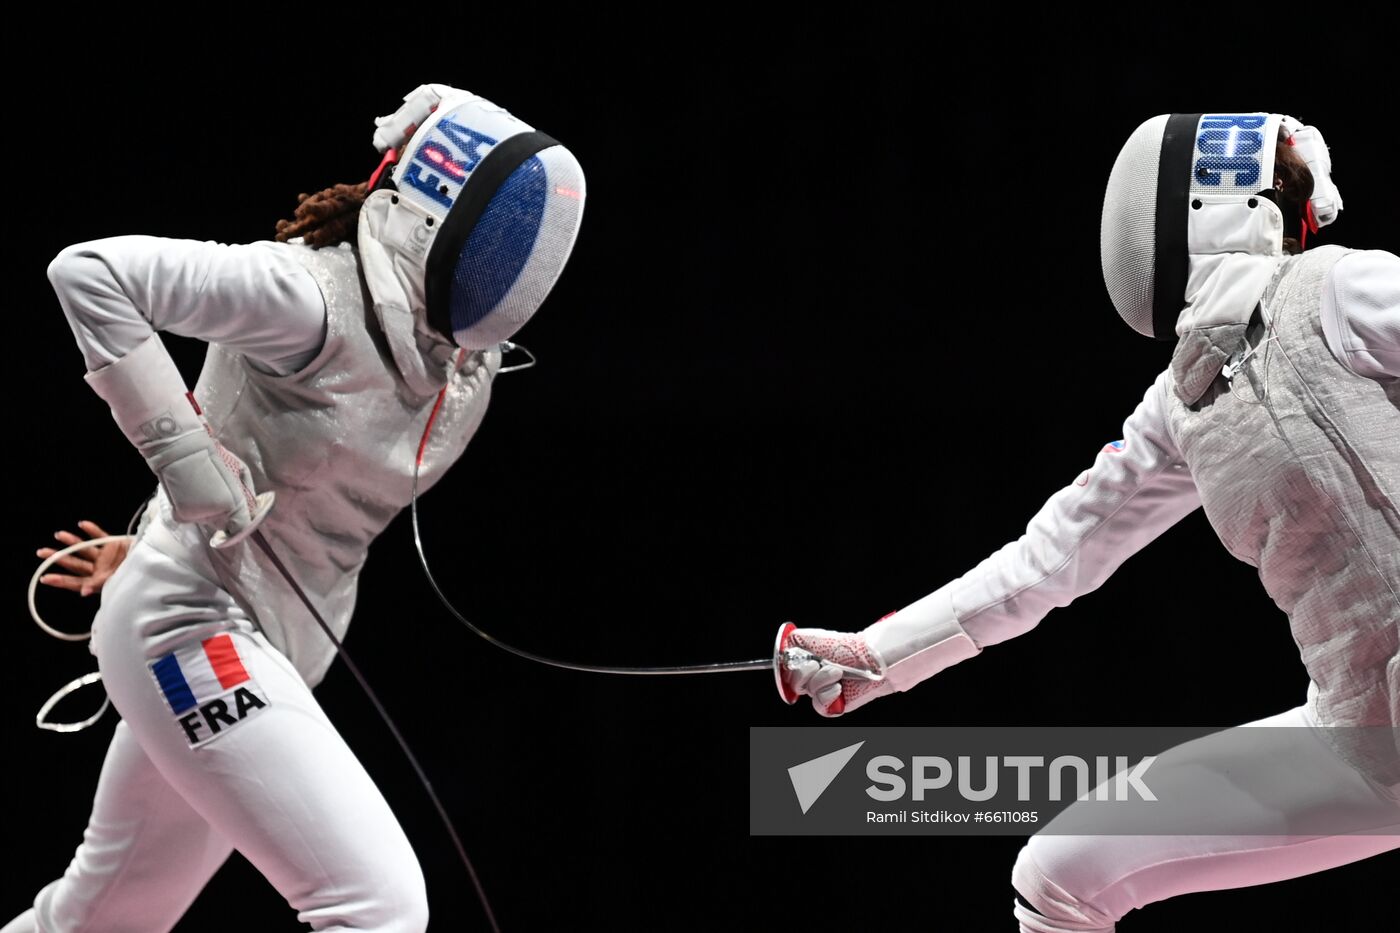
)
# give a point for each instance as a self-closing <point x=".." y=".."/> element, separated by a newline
<point x="90" y="567"/>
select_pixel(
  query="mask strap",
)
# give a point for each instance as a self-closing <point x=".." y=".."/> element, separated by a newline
<point x="1173" y="259"/>
<point x="381" y="178"/>
<point x="1309" y="224"/>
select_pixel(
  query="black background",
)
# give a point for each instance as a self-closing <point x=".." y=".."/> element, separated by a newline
<point x="834" y="329"/>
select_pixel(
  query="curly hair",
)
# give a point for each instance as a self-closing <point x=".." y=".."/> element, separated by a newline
<point x="328" y="217"/>
<point x="1294" y="183"/>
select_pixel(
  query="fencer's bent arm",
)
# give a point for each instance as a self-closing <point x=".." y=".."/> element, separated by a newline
<point x="250" y="298"/>
<point x="1361" y="313"/>
<point x="120" y="293"/>
<point x="1081" y="535"/>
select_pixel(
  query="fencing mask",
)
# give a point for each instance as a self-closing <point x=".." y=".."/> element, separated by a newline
<point x="470" y="219"/>
<point x="1191" y="233"/>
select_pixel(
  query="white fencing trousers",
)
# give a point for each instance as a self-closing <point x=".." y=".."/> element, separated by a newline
<point x="198" y="768"/>
<point x="1085" y="884"/>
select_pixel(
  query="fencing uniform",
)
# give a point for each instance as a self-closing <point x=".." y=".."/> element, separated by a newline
<point x="337" y="441"/>
<point x="1298" y="469"/>
<point x="323" y="369"/>
<point x="1279" y="414"/>
<point x="208" y="655"/>
<point x="1296" y="463"/>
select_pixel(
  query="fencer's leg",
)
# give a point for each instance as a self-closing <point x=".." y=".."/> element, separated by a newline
<point x="145" y="855"/>
<point x="234" y="729"/>
<point x="1085" y="884"/>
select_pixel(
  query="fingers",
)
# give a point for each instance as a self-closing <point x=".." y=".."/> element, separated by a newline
<point x="67" y="537"/>
<point x="93" y="529"/>
<point x="826" y="696"/>
<point x="64" y="581"/>
<point x="810" y="675"/>
<point x="74" y="562"/>
<point x="824" y="679"/>
<point x="822" y="682"/>
<point x="825" y="689"/>
<point x="800" y="673"/>
<point x="69" y="562"/>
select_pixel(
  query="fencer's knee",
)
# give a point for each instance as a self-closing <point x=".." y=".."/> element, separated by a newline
<point x="391" y="899"/>
<point x="408" y="910"/>
<point x="1050" y="901"/>
<point x="400" y="890"/>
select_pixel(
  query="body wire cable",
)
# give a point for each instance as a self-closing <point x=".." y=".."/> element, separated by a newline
<point x="257" y="536"/>
<point x="764" y="664"/>
<point x="262" y="543"/>
<point x="41" y="718"/>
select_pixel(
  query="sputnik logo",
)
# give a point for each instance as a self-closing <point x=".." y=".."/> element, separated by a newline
<point x="811" y="778"/>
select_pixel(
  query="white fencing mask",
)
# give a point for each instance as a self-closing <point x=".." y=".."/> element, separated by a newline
<point x="466" y="228"/>
<point x="1191" y="235"/>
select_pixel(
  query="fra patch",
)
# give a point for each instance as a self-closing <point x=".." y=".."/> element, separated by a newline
<point x="208" y="688"/>
<point x="1112" y="447"/>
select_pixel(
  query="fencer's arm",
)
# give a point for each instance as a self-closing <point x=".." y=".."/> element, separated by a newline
<point x="1073" y="544"/>
<point x="250" y="298"/>
<point x="1361" y="312"/>
<point x="1126" y="499"/>
<point x="120" y="293"/>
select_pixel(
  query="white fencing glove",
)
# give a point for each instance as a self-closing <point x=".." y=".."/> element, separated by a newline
<point x="205" y="482"/>
<point x="904" y="648"/>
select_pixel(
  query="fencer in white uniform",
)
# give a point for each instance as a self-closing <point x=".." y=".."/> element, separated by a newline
<point x="1279" y="414"/>
<point x="323" y="370"/>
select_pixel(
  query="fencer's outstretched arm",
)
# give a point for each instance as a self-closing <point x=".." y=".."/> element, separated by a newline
<point x="248" y="297"/>
<point x="1136" y="489"/>
<point x="119" y="293"/>
<point x="1086" y="530"/>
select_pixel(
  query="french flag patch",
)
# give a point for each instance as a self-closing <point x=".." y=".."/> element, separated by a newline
<point x="207" y="688"/>
<point x="1114" y="447"/>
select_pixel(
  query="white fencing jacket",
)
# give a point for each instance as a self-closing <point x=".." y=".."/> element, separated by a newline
<point x="1137" y="487"/>
<point x="297" y="382"/>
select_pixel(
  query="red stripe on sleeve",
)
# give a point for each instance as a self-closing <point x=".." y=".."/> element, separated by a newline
<point x="223" y="658"/>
